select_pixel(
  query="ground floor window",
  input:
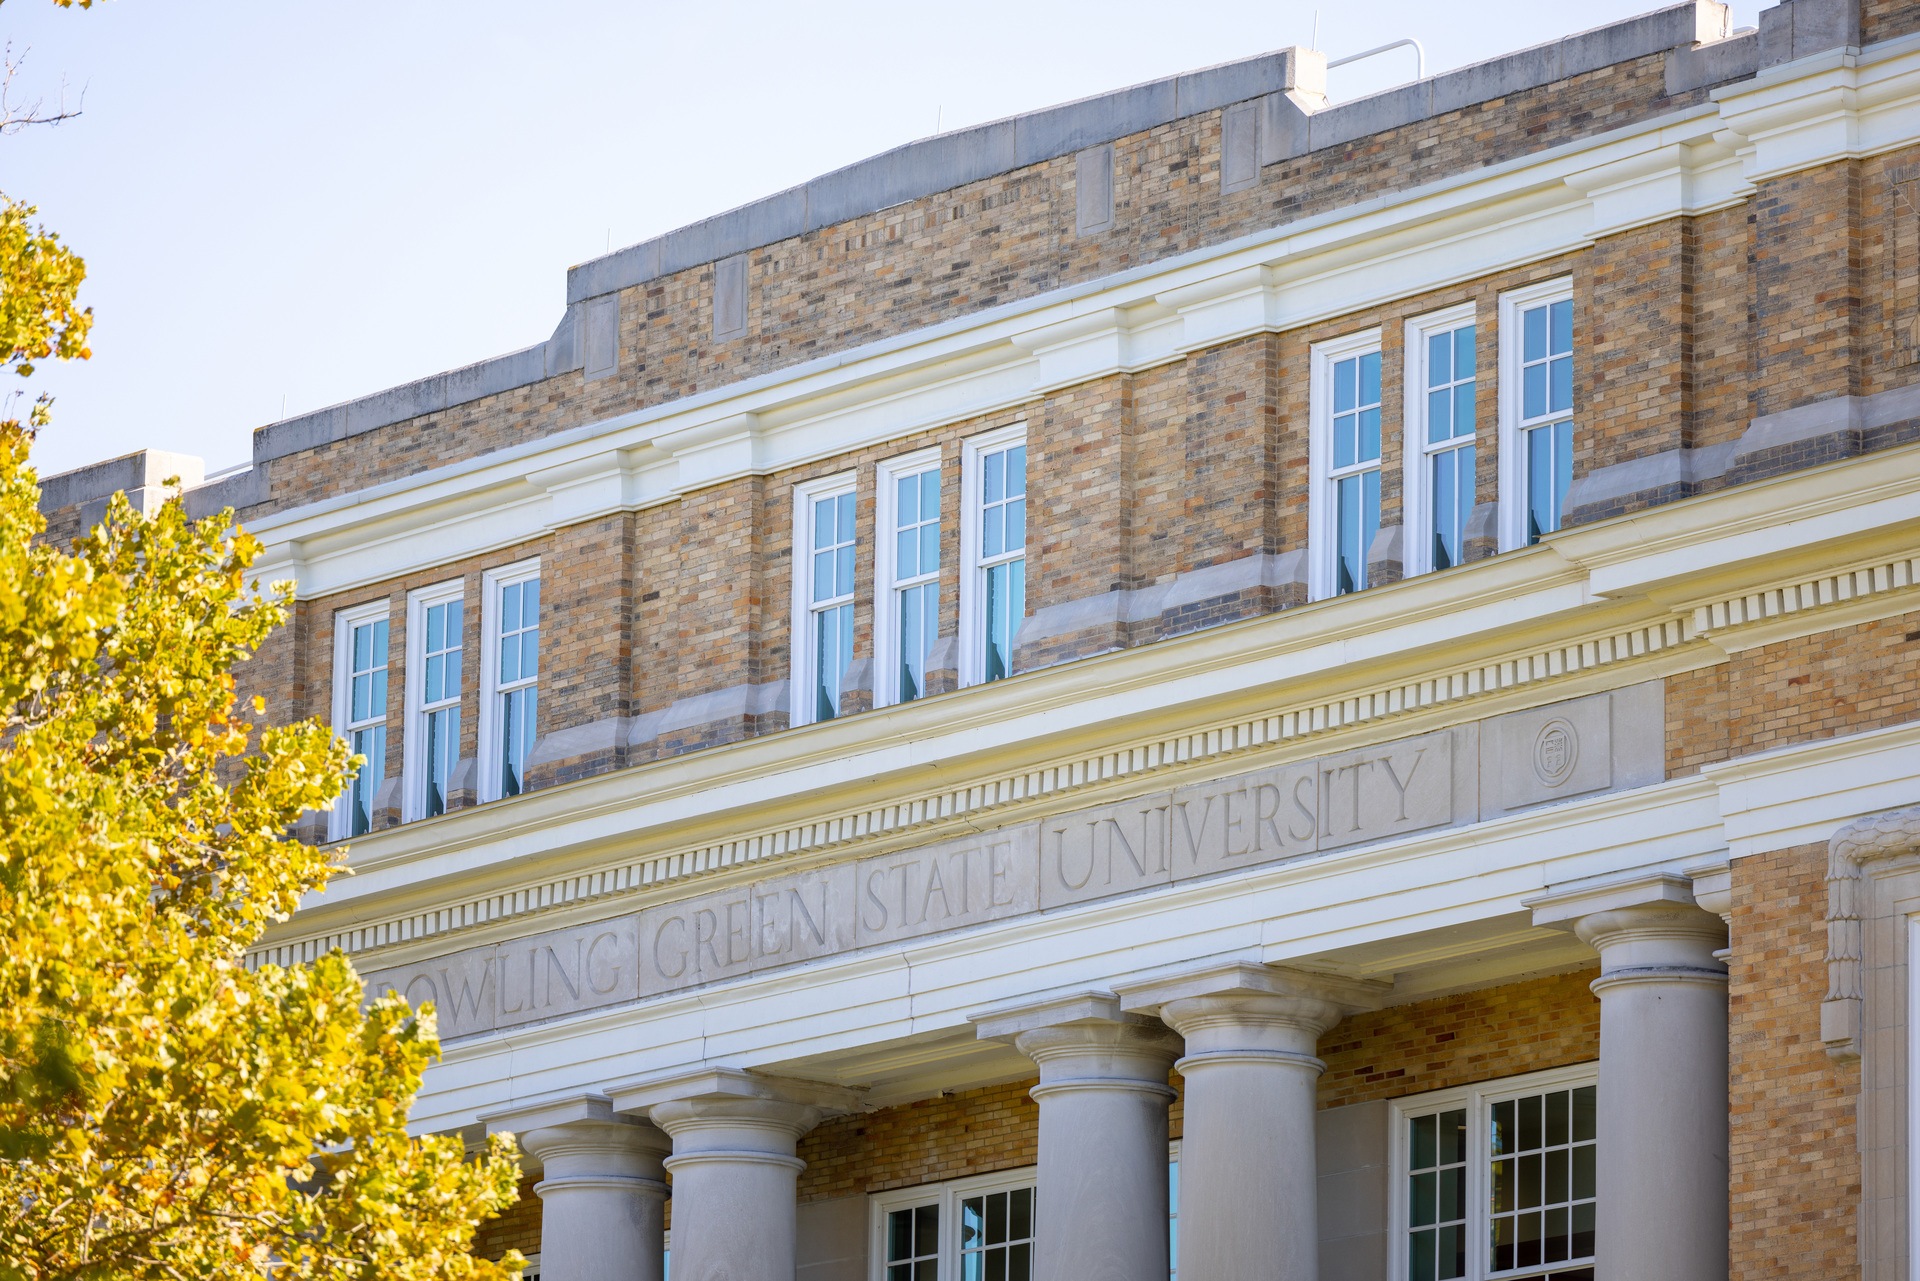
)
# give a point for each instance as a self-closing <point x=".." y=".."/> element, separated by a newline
<point x="1497" y="1180"/>
<point x="973" y="1229"/>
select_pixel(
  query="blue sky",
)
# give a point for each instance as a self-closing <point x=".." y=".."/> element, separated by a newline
<point x="287" y="205"/>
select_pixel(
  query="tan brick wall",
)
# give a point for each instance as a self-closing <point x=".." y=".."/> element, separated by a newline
<point x="1837" y="682"/>
<point x="1795" y="1172"/>
<point x="516" y="1229"/>
<point x="952" y="1137"/>
<point x="1485" y="1035"/>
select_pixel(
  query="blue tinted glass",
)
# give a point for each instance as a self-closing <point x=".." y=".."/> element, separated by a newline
<point x="906" y="551"/>
<point x="1560" y="384"/>
<point x="452" y="684"/>
<point x="510" y="608"/>
<point x="843" y="571"/>
<point x="930" y="494"/>
<point x="436" y="673"/>
<point x="1350" y="573"/>
<point x="378" y="692"/>
<point x="929" y="548"/>
<point x="822" y="576"/>
<point x="993" y="531"/>
<point x="1346" y="430"/>
<point x="436" y="627"/>
<point x="530" y="603"/>
<point x="1542" y="511"/>
<point x="994" y="481"/>
<point x="530" y="652"/>
<point x="380" y="643"/>
<point x="1439" y="359"/>
<point x="1464" y="354"/>
<point x="1016" y="523"/>
<point x="1370" y="378"/>
<point x="844" y="528"/>
<point x="822" y="523"/>
<point x="1563" y="468"/>
<point x="456" y="614"/>
<point x="1017" y="470"/>
<point x="1445" y="548"/>
<point x="1439" y="416"/>
<point x="359" y="689"/>
<point x="906" y="500"/>
<point x="509" y="659"/>
<point x="1346" y="383"/>
<point x="1533" y="329"/>
<point x="362" y="648"/>
<point x="1560" y="329"/>
<point x="1533" y="394"/>
<point x="1370" y="435"/>
<point x="1463" y="410"/>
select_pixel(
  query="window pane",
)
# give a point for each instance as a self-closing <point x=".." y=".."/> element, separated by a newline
<point x="1424" y="1132"/>
<point x="1420" y="1256"/>
<point x="996" y="1218"/>
<point x="360" y="698"/>
<point x="843" y="529"/>
<point x="993" y="538"/>
<point x="906" y="553"/>
<point x="1529" y="1111"/>
<point x="1452" y="1261"/>
<point x="929" y="548"/>
<point x="994" y="477"/>
<point x="530" y="603"/>
<point x="436" y="676"/>
<point x="1561" y="327"/>
<point x="843" y="570"/>
<point x="1533" y="326"/>
<point x="1423" y="1198"/>
<point x="1464" y="351"/>
<point x="436" y="627"/>
<point x="1370" y="435"/>
<point x="822" y="523"/>
<point x="1560" y="384"/>
<point x="926" y="1229"/>
<point x="906" y="501"/>
<point x="1543" y="511"/>
<point x="1446" y="547"/>
<point x="1346" y="429"/>
<point x="930" y="494"/>
<point x="510" y="659"/>
<point x="1439" y="359"/>
<point x="1453" y="1137"/>
<point x="1370" y="378"/>
<point x="1463" y="406"/>
<point x="1584" y="1182"/>
<point x="510" y="608"/>
<point x="1016" y="524"/>
<point x="1584" y="1108"/>
<point x="1346" y="385"/>
<point x="1533" y="385"/>
<point x="1439" y="416"/>
<point x="1016" y="471"/>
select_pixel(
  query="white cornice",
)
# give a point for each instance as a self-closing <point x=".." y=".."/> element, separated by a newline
<point x="1397" y="245"/>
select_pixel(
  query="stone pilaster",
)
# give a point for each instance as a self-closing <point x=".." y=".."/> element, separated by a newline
<point x="1662" y="1212"/>
<point x="1103" y="1097"/>
<point x="1248" y="1194"/>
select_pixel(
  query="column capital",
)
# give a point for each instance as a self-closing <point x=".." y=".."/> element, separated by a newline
<point x="1084" y="1039"/>
<point x="1232" y="999"/>
<point x="1646" y="925"/>
<point x="723" y="1108"/>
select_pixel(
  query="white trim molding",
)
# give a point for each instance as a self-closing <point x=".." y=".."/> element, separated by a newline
<point x="345" y="723"/>
<point x="1322" y="537"/>
<point x="1512" y="418"/>
<point x="886" y="591"/>
<point x="413" y="735"/>
<point x="800" y="641"/>
<point x="493" y="583"/>
<point x="972" y="636"/>
<point x="1417" y="501"/>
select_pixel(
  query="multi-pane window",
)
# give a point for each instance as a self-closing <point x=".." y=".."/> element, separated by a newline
<point x="913" y="1243"/>
<point x="435" y="628"/>
<point x="994" y="597"/>
<point x="1441" y="423"/>
<point x="823" y="592"/>
<point x="1346" y="461"/>
<point x="360" y="711"/>
<point x="1537" y="377"/>
<point x="907" y="557"/>
<point x="973" y="1229"/>
<point x="1499" y="1181"/>
<point x="509" y="709"/>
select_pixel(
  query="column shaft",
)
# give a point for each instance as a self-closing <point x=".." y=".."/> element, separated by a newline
<point x="734" y="1180"/>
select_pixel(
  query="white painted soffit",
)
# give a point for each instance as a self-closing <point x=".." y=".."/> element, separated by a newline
<point x="1400" y="244"/>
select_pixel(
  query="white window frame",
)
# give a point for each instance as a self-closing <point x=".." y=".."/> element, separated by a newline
<point x="948" y="1196"/>
<point x="800" y="644"/>
<point x="413" y="737"/>
<point x="886" y="592"/>
<point x="973" y="567"/>
<point x="1477" y="1100"/>
<point x="339" y="822"/>
<point x="487" y="752"/>
<point x="1513" y="473"/>
<point x="1323" y="540"/>
<point x="1416" y="483"/>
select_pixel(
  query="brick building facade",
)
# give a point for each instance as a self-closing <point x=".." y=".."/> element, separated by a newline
<point x="1196" y="680"/>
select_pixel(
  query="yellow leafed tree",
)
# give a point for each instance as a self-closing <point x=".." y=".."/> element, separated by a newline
<point x="164" y="1111"/>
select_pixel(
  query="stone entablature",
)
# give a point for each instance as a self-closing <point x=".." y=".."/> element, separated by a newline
<point x="1481" y="770"/>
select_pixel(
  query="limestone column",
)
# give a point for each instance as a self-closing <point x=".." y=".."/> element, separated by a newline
<point x="1103" y="1096"/>
<point x="1662" y="1212"/>
<point x="602" y="1192"/>
<point x="1248" y="1195"/>
<point x="734" y="1167"/>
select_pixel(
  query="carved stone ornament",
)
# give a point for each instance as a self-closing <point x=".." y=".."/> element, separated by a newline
<point x="1850" y="855"/>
